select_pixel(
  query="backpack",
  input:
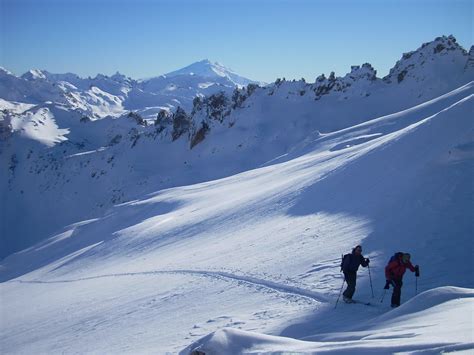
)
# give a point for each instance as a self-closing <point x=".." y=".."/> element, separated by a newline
<point x="395" y="256"/>
<point x="344" y="258"/>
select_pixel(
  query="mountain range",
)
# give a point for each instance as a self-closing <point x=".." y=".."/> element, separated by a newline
<point x="104" y="96"/>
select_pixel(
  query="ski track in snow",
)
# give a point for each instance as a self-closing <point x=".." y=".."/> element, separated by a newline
<point x="249" y="280"/>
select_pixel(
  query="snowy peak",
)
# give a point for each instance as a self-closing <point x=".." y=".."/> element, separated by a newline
<point x="206" y="69"/>
<point x="34" y="74"/>
<point x="5" y="72"/>
<point x="443" y="43"/>
<point x="440" y="46"/>
<point x="444" y="51"/>
<point x="203" y="68"/>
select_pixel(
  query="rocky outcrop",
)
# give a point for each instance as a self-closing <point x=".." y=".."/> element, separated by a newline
<point x="414" y="63"/>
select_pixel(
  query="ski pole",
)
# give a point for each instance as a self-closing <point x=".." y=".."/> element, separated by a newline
<point x="383" y="295"/>
<point x="370" y="276"/>
<point x="340" y="292"/>
<point x="417" y="274"/>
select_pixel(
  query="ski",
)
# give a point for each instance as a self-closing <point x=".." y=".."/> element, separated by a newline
<point x="362" y="302"/>
<point x="357" y="302"/>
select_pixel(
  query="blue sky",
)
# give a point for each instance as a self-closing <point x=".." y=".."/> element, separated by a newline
<point x="260" y="39"/>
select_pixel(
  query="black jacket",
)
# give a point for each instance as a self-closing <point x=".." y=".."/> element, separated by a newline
<point x="351" y="262"/>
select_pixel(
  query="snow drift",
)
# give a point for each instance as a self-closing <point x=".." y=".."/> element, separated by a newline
<point x="443" y="326"/>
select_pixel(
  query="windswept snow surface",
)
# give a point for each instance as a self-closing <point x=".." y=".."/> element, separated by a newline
<point x="443" y="327"/>
<point x="259" y="252"/>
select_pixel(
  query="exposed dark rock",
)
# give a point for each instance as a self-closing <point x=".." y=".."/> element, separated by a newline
<point x="197" y="104"/>
<point x="217" y="106"/>
<point x="401" y="75"/>
<point x="137" y="118"/>
<point x="251" y="88"/>
<point x="238" y="98"/>
<point x="321" y="78"/>
<point x="181" y="123"/>
<point x="439" y="47"/>
<point x="115" y="140"/>
<point x="199" y="136"/>
<point x="163" y="118"/>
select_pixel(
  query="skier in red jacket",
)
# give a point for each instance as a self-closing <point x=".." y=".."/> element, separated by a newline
<point x="394" y="272"/>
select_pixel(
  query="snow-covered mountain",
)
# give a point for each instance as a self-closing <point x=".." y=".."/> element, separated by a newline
<point x="116" y="95"/>
<point x="207" y="69"/>
<point x="155" y="237"/>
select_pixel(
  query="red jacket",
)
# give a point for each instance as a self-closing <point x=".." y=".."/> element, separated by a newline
<point x="395" y="269"/>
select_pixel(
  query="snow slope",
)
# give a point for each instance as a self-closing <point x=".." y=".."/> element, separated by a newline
<point x="99" y="147"/>
<point x="259" y="251"/>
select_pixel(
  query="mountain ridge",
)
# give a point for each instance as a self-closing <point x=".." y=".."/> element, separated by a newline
<point x="120" y="93"/>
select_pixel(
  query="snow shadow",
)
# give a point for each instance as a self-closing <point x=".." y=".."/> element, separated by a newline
<point x="63" y="248"/>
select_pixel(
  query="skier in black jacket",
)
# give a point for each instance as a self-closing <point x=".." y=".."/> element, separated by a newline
<point x="350" y="265"/>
